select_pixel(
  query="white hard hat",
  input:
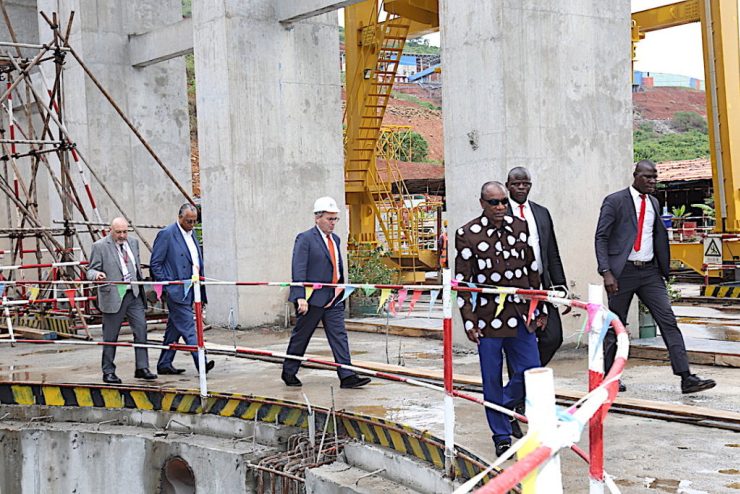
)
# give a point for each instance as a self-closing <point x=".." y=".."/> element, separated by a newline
<point x="326" y="204"/>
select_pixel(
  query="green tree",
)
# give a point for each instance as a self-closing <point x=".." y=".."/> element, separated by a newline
<point x="413" y="147"/>
<point x="685" y="121"/>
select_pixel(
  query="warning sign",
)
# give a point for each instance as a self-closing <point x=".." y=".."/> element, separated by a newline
<point x="712" y="250"/>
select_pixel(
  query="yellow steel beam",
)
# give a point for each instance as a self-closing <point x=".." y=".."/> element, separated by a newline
<point x="721" y="38"/>
<point x="425" y="12"/>
<point x="675" y="14"/>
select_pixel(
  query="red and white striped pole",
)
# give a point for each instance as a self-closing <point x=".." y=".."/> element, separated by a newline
<point x="595" y="378"/>
<point x="198" y="306"/>
<point x="449" y="405"/>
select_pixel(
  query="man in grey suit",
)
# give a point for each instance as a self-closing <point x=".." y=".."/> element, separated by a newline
<point x="116" y="258"/>
<point x="633" y="257"/>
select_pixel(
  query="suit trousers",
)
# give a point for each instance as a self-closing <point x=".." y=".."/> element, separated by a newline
<point x="132" y="309"/>
<point x="650" y="288"/>
<point x="333" y="321"/>
<point x="549" y="340"/>
<point x="523" y="355"/>
<point x="180" y="323"/>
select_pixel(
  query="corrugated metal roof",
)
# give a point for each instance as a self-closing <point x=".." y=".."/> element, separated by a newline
<point x="682" y="171"/>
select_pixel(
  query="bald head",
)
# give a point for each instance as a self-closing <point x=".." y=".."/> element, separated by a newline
<point x="645" y="177"/>
<point x="490" y="188"/>
<point x="119" y="230"/>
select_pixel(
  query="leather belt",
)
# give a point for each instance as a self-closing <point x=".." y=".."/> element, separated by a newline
<point x="642" y="264"/>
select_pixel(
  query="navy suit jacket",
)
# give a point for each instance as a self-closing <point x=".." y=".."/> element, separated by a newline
<point x="552" y="267"/>
<point x="312" y="263"/>
<point x="171" y="261"/>
<point x="616" y="232"/>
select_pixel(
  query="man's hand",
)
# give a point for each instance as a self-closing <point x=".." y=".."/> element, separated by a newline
<point x="302" y="306"/>
<point x="610" y="283"/>
<point x="100" y="276"/>
<point x="540" y="322"/>
<point x="473" y="335"/>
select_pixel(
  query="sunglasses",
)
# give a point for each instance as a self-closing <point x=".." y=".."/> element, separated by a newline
<point x="496" y="202"/>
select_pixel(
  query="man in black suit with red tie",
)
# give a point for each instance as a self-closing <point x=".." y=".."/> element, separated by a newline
<point x="633" y="257"/>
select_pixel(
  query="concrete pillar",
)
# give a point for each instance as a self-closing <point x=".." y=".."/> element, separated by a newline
<point x="153" y="97"/>
<point x="270" y="142"/>
<point x="544" y="85"/>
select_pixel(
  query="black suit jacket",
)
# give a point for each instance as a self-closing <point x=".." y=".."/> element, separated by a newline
<point x="616" y="232"/>
<point x="552" y="267"/>
<point x="312" y="263"/>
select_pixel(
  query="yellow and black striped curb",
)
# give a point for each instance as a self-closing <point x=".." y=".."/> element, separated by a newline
<point x="720" y="291"/>
<point x="401" y="438"/>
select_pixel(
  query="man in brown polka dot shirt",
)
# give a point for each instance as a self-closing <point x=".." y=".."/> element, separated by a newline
<point x="493" y="250"/>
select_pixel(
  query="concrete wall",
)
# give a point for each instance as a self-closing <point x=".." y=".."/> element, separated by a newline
<point x="154" y="98"/>
<point x="544" y="85"/>
<point x="270" y="142"/>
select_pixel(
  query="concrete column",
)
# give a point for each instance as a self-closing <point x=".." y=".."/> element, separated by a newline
<point x="270" y="142"/>
<point x="544" y="85"/>
<point x="153" y="97"/>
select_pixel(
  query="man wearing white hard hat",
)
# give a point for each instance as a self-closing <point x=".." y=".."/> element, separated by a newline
<point x="317" y="259"/>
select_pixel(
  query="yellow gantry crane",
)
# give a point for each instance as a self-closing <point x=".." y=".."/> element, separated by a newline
<point x="375" y="35"/>
<point x="720" y="39"/>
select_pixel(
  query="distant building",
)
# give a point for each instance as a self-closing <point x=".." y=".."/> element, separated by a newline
<point x="646" y="80"/>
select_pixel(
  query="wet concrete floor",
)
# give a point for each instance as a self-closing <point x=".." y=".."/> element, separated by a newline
<point x="643" y="455"/>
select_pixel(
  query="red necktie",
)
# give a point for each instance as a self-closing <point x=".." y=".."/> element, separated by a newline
<point x="640" y="221"/>
<point x="335" y="273"/>
<point x="521" y="211"/>
<point x="124" y="254"/>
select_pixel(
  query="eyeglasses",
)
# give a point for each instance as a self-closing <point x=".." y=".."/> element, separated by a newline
<point x="333" y="220"/>
<point x="190" y="222"/>
<point x="495" y="202"/>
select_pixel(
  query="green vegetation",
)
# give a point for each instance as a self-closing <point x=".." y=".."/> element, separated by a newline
<point x="688" y="144"/>
<point x="413" y="99"/>
<point x="187" y="8"/>
<point x="367" y="266"/>
<point x="420" y="46"/>
<point x="413" y="147"/>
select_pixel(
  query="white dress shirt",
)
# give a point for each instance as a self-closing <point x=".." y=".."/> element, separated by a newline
<point x="326" y="242"/>
<point x="646" y="247"/>
<point x="534" y="235"/>
<point x="190" y="242"/>
<point x="127" y="276"/>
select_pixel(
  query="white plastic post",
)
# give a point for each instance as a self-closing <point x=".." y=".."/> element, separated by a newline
<point x="595" y="378"/>
<point x="543" y="421"/>
<point x="201" y="342"/>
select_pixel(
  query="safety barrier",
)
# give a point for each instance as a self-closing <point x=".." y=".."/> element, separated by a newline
<point x="540" y="444"/>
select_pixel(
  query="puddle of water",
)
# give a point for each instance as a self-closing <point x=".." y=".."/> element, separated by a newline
<point x="419" y="416"/>
<point x="47" y="352"/>
<point x="625" y="482"/>
<point x="730" y="471"/>
<point x="423" y="355"/>
<point x="732" y="445"/>
<point x="734" y="485"/>
<point x="374" y="410"/>
<point x="665" y="485"/>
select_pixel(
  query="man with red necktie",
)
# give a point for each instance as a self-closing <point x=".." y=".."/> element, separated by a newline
<point x="317" y="259"/>
<point x="633" y="257"/>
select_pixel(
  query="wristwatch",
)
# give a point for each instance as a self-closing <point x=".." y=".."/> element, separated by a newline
<point x="602" y="272"/>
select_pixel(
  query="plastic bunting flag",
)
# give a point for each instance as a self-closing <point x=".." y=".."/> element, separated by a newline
<point x="347" y="292"/>
<point x="531" y="442"/>
<point x="414" y="298"/>
<point x="195" y="278"/>
<point x="309" y="292"/>
<point x="369" y="290"/>
<point x="473" y="296"/>
<point x="2" y="288"/>
<point x="34" y="293"/>
<point x="384" y="294"/>
<point x="530" y="313"/>
<point x="501" y="302"/>
<point x="608" y="318"/>
<point x="122" y="290"/>
<point x="158" y="290"/>
<point x="402" y="294"/>
<point x="392" y="306"/>
<point x="186" y="287"/>
<point x="592" y="310"/>
<point x="434" y="294"/>
<point x="71" y="296"/>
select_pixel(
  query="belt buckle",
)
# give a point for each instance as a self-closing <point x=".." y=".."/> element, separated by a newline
<point x="639" y="264"/>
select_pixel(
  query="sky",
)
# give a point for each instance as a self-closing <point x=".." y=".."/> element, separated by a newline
<point x="677" y="50"/>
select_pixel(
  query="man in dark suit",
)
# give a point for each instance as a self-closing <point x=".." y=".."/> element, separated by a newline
<point x="545" y="246"/>
<point x="317" y="258"/>
<point x="116" y="258"/>
<point x="633" y="257"/>
<point x="177" y="256"/>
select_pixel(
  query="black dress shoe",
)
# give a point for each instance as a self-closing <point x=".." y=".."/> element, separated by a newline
<point x="210" y="365"/>
<point x="354" y="381"/>
<point x="516" y="430"/>
<point x="169" y="370"/>
<point x="502" y="446"/>
<point x="111" y="378"/>
<point x="622" y="387"/>
<point x="290" y="380"/>
<point x="144" y="374"/>
<point x="694" y="383"/>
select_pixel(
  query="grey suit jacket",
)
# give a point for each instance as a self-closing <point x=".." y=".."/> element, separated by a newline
<point x="616" y="232"/>
<point x="104" y="258"/>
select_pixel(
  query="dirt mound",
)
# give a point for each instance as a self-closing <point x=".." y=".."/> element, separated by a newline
<point x="661" y="103"/>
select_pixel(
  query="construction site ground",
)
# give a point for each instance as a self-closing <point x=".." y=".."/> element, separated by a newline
<point x="642" y="454"/>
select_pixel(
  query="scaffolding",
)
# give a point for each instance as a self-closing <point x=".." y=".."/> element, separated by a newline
<point x="36" y="145"/>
